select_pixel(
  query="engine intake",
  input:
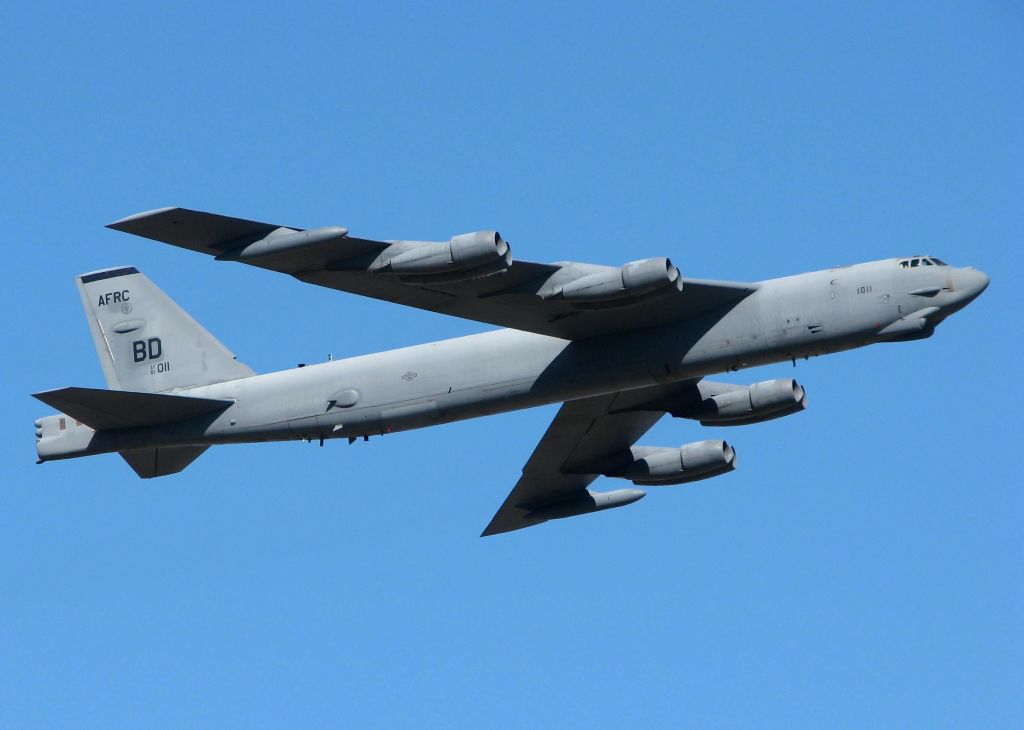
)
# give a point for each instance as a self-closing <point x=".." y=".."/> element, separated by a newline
<point x="464" y="257"/>
<point x="689" y="463"/>
<point x="634" y="280"/>
<point x="753" y="404"/>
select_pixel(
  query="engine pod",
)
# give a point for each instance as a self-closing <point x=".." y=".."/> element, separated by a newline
<point x="466" y="256"/>
<point x="759" y="402"/>
<point x="632" y="281"/>
<point x="692" y="462"/>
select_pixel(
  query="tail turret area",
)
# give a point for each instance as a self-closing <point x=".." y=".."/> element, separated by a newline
<point x="147" y="343"/>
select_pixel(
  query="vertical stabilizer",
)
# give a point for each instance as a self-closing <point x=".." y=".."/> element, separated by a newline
<point x="161" y="460"/>
<point x="145" y="341"/>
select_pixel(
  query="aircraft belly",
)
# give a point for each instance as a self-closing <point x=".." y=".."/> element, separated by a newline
<point x="413" y="415"/>
<point x="306" y="427"/>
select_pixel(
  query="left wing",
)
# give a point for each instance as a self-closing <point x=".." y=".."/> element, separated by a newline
<point x="473" y="276"/>
<point x="588" y="437"/>
<point x="102" y="409"/>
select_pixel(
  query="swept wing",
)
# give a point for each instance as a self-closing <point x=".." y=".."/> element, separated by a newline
<point x="524" y="295"/>
<point x="585" y="439"/>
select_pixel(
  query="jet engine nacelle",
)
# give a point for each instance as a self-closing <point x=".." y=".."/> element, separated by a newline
<point x="759" y="402"/>
<point x="688" y="463"/>
<point x="633" y="280"/>
<point x="466" y="256"/>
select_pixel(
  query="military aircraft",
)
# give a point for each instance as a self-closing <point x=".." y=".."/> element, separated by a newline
<point x="619" y="347"/>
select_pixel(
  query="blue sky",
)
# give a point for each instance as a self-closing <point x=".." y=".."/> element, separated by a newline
<point x="862" y="567"/>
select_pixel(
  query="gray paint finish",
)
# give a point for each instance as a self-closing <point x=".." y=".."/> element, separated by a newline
<point x="618" y="364"/>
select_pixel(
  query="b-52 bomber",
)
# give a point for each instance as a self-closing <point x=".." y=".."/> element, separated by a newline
<point x="619" y="347"/>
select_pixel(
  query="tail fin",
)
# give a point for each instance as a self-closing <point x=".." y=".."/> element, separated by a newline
<point x="146" y="342"/>
<point x="162" y="460"/>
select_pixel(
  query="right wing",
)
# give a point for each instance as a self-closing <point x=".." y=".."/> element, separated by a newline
<point x="525" y="295"/>
<point x="587" y="436"/>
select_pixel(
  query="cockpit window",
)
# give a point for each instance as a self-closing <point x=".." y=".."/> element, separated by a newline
<point x="922" y="261"/>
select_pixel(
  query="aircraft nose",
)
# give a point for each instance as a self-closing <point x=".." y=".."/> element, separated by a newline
<point x="969" y="284"/>
<point x="975" y="281"/>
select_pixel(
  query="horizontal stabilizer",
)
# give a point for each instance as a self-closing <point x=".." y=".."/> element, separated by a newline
<point x="162" y="460"/>
<point x="106" y="409"/>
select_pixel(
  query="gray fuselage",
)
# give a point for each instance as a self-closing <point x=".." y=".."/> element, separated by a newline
<point x="413" y="387"/>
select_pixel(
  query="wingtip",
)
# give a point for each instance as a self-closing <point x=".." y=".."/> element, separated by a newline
<point x="497" y="528"/>
<point x="123" y="222"/>
<point x="45" y="396"/>
<point x="491" y="529"/>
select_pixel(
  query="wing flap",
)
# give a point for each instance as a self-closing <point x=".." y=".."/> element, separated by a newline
<point x="108" y="409"/>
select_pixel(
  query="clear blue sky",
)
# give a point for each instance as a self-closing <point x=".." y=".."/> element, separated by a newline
<point x="862" y="568"/>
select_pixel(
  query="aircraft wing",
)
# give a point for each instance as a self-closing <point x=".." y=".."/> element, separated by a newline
<point x="586" y="434"/>
<point x="551" y="299"/>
